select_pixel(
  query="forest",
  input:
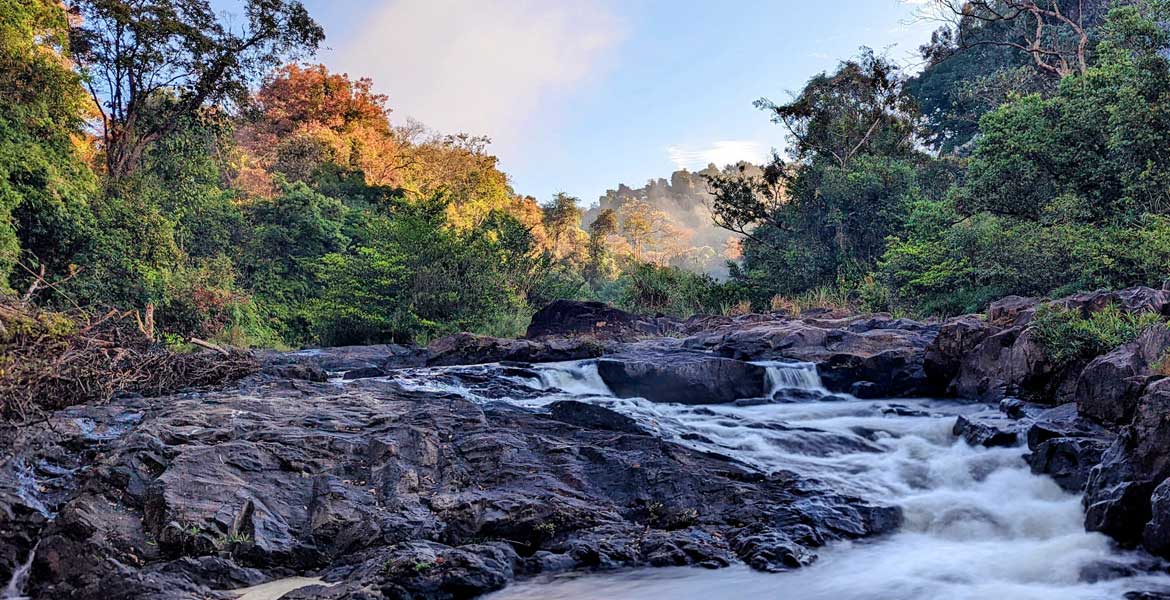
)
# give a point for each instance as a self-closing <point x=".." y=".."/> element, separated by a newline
<point x="153" y="158"/>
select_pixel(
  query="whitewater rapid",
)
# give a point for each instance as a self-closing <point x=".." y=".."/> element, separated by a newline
<point x="978" y="523"/>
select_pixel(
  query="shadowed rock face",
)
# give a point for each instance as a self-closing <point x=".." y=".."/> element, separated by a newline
<point x="571" y="318"/>
<point x="684" y="379"/>
<point x="403" y="494"/>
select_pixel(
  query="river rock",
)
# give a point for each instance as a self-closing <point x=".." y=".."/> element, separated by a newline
<point x="592" y="416"/>
<point x="1118" y="493"/>
<point x="405" y="494"/>
<point x="956" y="339"/>
<point x="988" y="429"/>
<point x="572" y="318"/>
<point x="1109" y="387"/>
<point x="684" y="379"/>
<point x="471" y="349"/>
<point x="877" y="349"/>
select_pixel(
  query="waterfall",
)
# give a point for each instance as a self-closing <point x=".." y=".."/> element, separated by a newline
<point x="579" y="378"/>
<point x="792" y="376"/>
<point x="15" y="588"/>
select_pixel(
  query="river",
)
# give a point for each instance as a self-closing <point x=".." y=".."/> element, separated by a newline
<point x="978" y="523"/>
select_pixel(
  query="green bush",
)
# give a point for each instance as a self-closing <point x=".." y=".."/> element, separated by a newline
<point x="1067" y="336"/>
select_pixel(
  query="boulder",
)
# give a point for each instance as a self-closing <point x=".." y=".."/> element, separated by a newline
<point x="684" y="379"/>
<point x="1067" y="461"/>
<point x="988" y="429"/>
<point x="471" y="349"/>
<point x="1011" y="311"/>
<point x="1108" y="388"/>
<point x="1118" y="492"/>
<point x="1156" y="535"/>
<point x="572" y="318"/>
<point x="956" y="340"/>
<point x="592" y="416"/>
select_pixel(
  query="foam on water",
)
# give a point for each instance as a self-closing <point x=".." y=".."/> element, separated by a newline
<point x="978" y="524"/>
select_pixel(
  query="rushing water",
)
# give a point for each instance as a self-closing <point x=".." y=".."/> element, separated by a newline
<point x="14" y="589"/>
<point x="978" y="524"/>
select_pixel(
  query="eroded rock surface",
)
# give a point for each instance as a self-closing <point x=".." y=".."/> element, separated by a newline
<point x="406" y="494"/>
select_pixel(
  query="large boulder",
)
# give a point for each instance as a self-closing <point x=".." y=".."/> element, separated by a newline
<point x="568" y="318"/>
<point x="1118" y="493"/>
<point x="471" y="349"/>
<point x="956" y="340"/>
<point x="1109" y="387"/>
<point x="684" y="379"/>
<point x="1011" y="311"/>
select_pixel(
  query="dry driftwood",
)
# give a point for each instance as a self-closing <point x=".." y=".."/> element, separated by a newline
<point x="49" y="360"/>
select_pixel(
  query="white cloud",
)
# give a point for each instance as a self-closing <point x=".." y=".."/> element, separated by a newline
<point x="719" y="153"/>
<point x="478" y="66"/>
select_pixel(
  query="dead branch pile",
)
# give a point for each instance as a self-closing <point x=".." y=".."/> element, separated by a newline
<point x="50" y="360"/>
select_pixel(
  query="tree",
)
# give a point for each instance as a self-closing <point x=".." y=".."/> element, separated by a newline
<point x="1055" y="33"/>
<point x="562" y="222"/>
<point x="130" y="51"/>
<point x="44" y="182"/>
<point x="862" y="108"/>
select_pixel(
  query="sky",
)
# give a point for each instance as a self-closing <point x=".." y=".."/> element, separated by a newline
<point x="581" y="95"/>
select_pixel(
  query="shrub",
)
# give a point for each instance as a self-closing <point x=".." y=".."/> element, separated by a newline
<point x="1066" y="336"/>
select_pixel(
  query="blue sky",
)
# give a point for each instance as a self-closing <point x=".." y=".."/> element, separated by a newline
<point x="580" y="95"/>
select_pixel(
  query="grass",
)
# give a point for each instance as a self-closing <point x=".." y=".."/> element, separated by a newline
<point x="1066" y="336"/>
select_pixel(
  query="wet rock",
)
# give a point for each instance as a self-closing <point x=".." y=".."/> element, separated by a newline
<point x="1109" y="387"/>
<point x="471" y="349"/>
<point x="1156" y="535"/>
<point x="1117" y="495"/>
<point x="897" y="410"/>
<point x="592" y="416"/>
<point x="877" y="349"/>
<point x="866" y="390"/>
<point x="988" y="429"/>
<point x="1067" y="461"/>
<point x="340" y="358"/>
<point x="571" y="318"/>
<point x="363" y="373"/>
<point x="684" y="379"/>
<point x="408" y="494"/>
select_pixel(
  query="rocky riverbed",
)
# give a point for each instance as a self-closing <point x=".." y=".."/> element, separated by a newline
<point x="783" y="452"/>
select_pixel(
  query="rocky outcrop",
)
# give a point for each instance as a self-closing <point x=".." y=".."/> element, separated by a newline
<point x="999" y="357"/>
<point x="1108" y="388"/>
<point x="882" y="351"/>
<point x="404" y="494"/>
<point x="956" y="340"/>
<point x="471" y="349"/>
<point x="684" y="379"/>
<point x="1118" y="496"/>
<point x="572" y="318"/>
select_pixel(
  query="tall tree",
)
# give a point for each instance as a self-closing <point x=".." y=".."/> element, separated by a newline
<point x="130" y="51"/>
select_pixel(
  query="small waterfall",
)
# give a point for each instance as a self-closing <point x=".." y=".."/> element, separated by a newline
<point x="15" y="588"/>
<point x="578" y="378"/>
<point x="793" y="376"/>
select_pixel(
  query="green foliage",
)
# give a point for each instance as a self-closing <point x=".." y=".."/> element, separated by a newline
<point x="1068" y="336"/>
<point x="43" y="182"/>
<point x="416" y="280"/>
<point x="651" y="289"/>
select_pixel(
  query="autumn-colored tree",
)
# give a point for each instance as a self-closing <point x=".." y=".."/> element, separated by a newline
<point x="132" y="51"/>
<point x="303" y="117"/>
